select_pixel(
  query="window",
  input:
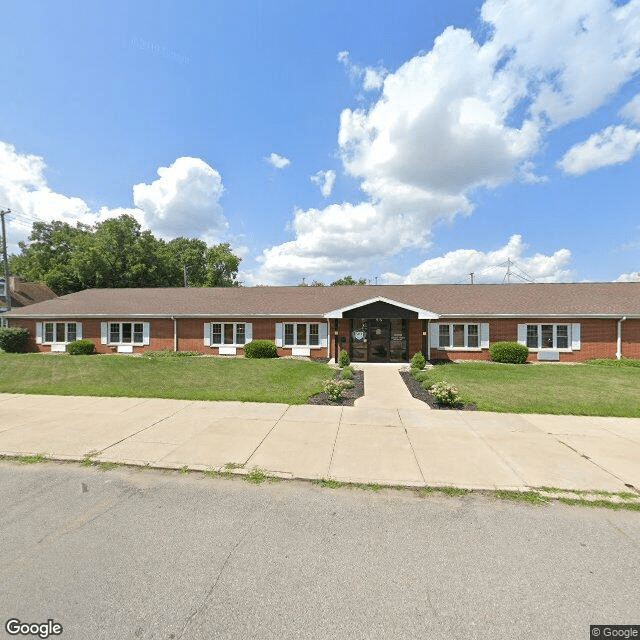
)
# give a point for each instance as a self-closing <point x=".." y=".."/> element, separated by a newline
<point x="126" y="332"/>
<point x="301" y="334"/>
<point x="229" y="333"/>
<point x="459" y="336"/>
<point x="60" y="332"/>
<point x="548" y="336"/>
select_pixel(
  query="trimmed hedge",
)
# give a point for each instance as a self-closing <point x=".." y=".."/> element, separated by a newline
<point x="260" y="349"/>
<point x="509" y="352"/>
<point x="343" y="359"/>
<point x="81" y="348"/>
<point x="14" y="339"/>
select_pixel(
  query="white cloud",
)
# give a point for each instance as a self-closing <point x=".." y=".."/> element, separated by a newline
<point x="325" y="180"/>
<point x="183" y="201"/>
<point x="441" y="128"/>
<point x="372" y="77"/>
<point x="613" y="145"/>
<point x="278" y="161"/>
<point x="629" y="277"/>
<point x="185" y="196"/>
<point x="491" y="266"/>
<point x="631" y="110"/>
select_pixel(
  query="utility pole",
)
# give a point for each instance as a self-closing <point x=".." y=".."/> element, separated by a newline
<point x="471" y="274"/>
<point x="7" y="293"/>
<point x="185" y="270"/>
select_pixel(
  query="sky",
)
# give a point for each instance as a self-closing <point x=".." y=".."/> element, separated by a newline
<point x="404" y="142"/>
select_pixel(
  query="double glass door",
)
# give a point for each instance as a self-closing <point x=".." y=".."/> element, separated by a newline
<point x="378" y="340"/>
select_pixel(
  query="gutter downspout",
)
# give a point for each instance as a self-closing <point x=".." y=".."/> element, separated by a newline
<point x="329" y="339"/>
<point x="175" y="333"/>
<point x="619" y="343"/>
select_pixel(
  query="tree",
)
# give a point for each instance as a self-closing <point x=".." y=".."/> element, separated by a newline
<point x="348" y="280"/>
<point x="116" y="253"/>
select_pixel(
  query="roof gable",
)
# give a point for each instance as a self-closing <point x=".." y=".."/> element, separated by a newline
<point x="381" y="307"/>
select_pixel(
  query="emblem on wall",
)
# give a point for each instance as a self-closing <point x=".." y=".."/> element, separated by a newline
<point x="358" y="335"/>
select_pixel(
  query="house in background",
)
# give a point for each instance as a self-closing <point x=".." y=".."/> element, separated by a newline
<point x="374" y="323"/>
<point x="22" y="294"/>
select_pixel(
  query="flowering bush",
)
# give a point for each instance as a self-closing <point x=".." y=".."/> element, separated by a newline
<point x="445" y="393"/>
<point x="334" y="388"/>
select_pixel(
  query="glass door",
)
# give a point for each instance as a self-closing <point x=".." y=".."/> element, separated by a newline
<point x="379" y="330"/>
<point x="398" y="341"/>
<point x="359" y="339"/>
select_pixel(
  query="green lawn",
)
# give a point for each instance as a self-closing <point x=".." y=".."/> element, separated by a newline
<point x="188" y="378"/>
<point x="581" y="389"/>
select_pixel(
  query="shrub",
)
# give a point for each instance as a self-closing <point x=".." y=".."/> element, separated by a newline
<point x="347" y="373"/>
<point x="421" y="376"/>
<point x="334" y="388"/>
<point x="13" y="339"/>
<point x="343" y="359"/>
<point x="418" y="361"/>
<point x="427" y="384"/>
<point x="509" y="352"/>
<point x="260" y="349"/>
<point x="81" y="348"/>
<point x="445" y="393"/>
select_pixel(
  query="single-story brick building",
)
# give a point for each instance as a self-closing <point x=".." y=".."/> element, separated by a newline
<point x="375" y="323"/>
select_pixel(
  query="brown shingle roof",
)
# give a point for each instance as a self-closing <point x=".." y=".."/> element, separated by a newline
<point x="25" y="293"/>
<point x="612" y="299"/>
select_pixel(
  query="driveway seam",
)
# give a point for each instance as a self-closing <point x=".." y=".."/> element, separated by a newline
<point x="275" y="424"/>
<point x="335" y="440"/>
<point x="415" y="457"/>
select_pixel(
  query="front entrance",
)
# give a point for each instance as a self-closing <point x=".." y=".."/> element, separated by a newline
<point x="378" y="340"/>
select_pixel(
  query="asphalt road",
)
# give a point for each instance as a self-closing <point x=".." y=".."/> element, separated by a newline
<point x="145" y="554"/>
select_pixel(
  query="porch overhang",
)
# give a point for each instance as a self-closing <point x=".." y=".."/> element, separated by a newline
<point x="375" y="307"/>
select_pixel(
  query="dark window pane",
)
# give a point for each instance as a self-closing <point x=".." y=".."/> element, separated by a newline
<point x="216" y="333"/>
<point x="444" y="335"/>
<point x="126" y="332"/>
<point x="60" y="332"/>
<point x="71" y="331"/>
<point x="562" y="336"/>
<point x="458" y="335"/>
<point x="240" y="333"/>
<point x="313" y="334"/>
<point x="48" y="332"/>
<point x="288" y="334"/>
<point x="114" y="332"/>
<point x="547" y="336"/>
<point x="532" y="336"/>
<point x="472" y="335"/>
<point x="301" y="334"/>
<point x="228" y="333"/>
<point x="138" y="333"/>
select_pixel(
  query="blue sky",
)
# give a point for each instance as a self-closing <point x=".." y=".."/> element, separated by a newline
<point x="403" y="142"/>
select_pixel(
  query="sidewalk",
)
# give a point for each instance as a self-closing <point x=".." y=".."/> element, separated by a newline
<point x="388" y="437"/>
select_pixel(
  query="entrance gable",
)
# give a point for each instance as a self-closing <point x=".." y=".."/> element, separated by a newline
<point x="380" y="307"/>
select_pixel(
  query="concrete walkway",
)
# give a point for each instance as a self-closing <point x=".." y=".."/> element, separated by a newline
<point x="387" y="438"/>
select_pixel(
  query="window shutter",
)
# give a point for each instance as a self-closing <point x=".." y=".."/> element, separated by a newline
<point x="103" y="333"/>
<point x="38" y="332"/>
<point x="146" y="333"/>
<point x="78" y="330"/>
<point x="484" y="335"/>
<point x="323" y="333"/>
<point x="575" y="336"/>
<point x="207" y="334"/>
<point x="279" y="330"/>
<point x="434" y="334"/>
<point x="522" y="334"/>
<point x="248" y="332"/>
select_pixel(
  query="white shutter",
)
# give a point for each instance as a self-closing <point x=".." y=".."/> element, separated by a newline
<point x="522" y="334"/>
<point x="434" y="335"/>
<point x="323" y="333"/>
<point x="146" y="333"/>
<point x="248" y="332"/>
<point x="575" y="336"/>
<point x="484" y="335"/>
<point x="38" y="332"/>
<point x="207" y="334"/>
<point x="103" y="333"/>
<point x="78" y="330"/>
<point x="279" y="332"/>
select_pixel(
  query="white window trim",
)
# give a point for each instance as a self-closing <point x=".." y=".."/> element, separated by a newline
<point x="41" y="331"/>
<point x="105" y="331"/>
<point x="480" y="334"/>
<point x="571" y="329"/>
<point x="248" y="335"/>
<point x="323" y="335"/>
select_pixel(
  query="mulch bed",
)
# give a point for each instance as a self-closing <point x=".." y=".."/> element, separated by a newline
<point x="416" y="390"/>
<point x="348" y="397"/>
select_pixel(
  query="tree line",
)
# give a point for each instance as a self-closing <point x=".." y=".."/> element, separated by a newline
<point x="116" y="253"/>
